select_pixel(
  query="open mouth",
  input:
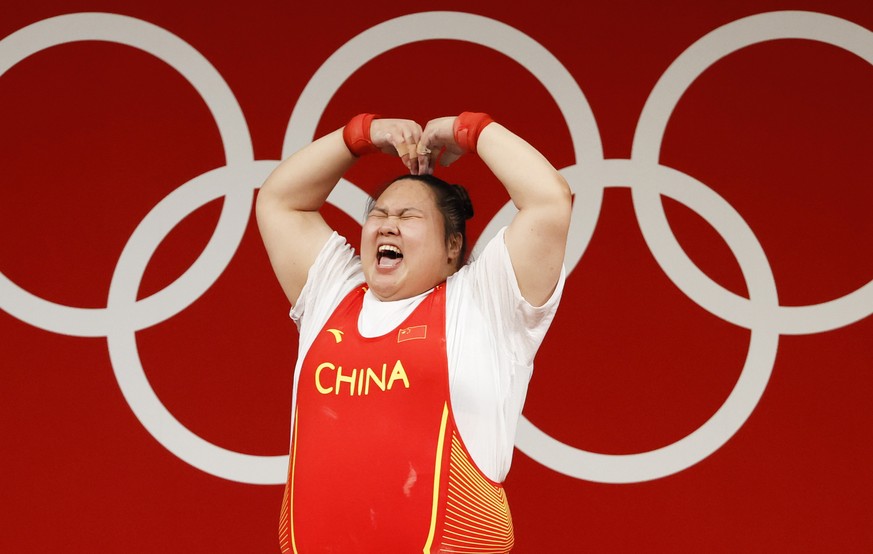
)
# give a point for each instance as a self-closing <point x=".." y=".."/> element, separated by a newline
<point x="388" y="256"/>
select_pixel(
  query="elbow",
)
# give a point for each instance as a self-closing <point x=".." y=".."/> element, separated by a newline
<point x="267" y="202"/>
<point x="263" y="200"/>
<point x="563" y="188"/>
<point x="273" y="194"/>
<point x="265" y="193"/>
<point x="563" y="200"/>
<point x="262" y="207"/>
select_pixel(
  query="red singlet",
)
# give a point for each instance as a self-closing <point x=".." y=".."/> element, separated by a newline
<point x="377" y="464"/>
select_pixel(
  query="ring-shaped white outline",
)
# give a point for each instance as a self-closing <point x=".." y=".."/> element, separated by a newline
<point x="121" y="339"/>
<point x="196" y="69"/>
<point x="649" y="181"/>
<point x="124" y="315"/>
<point x="750" y="386"/>
<point x="649" y="135"/>
<point x="484" y="31"/>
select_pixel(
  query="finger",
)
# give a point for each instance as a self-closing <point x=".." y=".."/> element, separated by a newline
<point x="411" y="142"/>
<point x="409" y="147"/>
<point x="402" y="153"/>
<point x="402" y="149"/>
<point x="424" y="158"/>
<point x="435" y="158"/>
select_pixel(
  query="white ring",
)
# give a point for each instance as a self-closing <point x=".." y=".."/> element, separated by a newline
<point x="646" y="149"/>
<point x="124" y="314"/>
<point x="486" y="32"/>
<point x="744" y="397"/>
<point x="88" y="322"/>
<point x="761" y="313"/>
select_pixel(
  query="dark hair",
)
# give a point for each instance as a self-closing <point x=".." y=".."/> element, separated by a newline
<point x="452" y="201"/>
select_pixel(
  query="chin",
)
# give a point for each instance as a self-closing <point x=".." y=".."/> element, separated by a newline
<point x="381" y="289"/>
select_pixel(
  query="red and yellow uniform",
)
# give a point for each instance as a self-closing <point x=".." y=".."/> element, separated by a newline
<point x="377" y="463"/>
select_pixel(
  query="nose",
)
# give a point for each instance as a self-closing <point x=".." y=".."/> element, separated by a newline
<point x="388" y="226"/>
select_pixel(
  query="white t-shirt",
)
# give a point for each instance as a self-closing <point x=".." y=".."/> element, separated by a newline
<point x="492" y="335"/>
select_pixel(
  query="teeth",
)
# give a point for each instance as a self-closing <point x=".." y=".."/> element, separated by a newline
<point x="388" y="252"/>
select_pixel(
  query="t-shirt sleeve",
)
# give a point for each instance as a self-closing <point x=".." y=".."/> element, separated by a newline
<point x="335" y="272"/>
<point x="493" y="335"/>
<point x="522" y="326"/>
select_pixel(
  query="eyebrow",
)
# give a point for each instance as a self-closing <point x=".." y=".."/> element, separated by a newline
<point x="401" y="212"/>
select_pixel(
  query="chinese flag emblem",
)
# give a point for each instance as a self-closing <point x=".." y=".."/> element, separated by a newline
<point x="412" y="333"/>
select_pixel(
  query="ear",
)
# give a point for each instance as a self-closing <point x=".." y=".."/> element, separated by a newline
<point x="454" y="246"/>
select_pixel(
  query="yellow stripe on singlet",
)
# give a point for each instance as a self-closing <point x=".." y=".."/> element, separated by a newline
<point x="436" y="480"/>
<point x="291" y="491"/>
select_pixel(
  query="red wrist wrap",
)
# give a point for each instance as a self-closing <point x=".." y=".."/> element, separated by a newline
<point x="467" y="127"/>
<point x="356" y="134"/>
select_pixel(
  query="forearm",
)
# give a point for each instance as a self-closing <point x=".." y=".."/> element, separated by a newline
<point x="529" y="178"/>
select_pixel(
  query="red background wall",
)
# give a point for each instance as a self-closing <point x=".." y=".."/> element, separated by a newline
<point x="96" y="134"/>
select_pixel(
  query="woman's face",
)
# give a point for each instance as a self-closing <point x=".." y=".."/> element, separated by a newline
<point x="403" y="247"/>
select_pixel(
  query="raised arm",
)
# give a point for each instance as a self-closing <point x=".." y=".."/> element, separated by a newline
<point x="289" y="201"/>
<point x="537" y="236"/>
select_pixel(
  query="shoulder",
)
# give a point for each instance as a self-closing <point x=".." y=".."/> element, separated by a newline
<point x="488" y="287"/>
<point x="336" y="271"/>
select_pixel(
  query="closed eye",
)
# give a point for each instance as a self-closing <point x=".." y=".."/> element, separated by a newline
<point x="406" y="213"/>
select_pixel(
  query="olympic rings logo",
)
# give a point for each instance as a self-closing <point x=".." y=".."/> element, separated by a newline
<point x="761" y="313"/>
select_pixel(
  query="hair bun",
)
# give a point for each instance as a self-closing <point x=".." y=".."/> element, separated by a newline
<point x="466" y="204"/>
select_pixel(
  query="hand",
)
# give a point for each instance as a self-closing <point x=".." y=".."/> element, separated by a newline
<point x="437" y="144"/>
<point x="400" y="137"/>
